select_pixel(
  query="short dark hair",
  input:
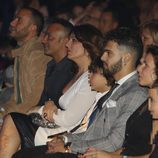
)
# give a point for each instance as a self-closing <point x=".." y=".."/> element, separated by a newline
<point x="153" y="50"/>
<point x="97" y="64"/>
<point x="37" y="18"/>
<point x="128" y="38"/>
<point x="65" y="23"/>
<point x="91" y="38"/>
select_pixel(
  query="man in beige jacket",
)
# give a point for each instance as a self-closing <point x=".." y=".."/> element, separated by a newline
<point x="30" y="61"/>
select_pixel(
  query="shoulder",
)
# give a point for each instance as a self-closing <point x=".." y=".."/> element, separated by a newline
<point x="35" y="45"/>
<point x="66" y="65"/>
<point x="66" y="61"/>
<point x="131" y="86"/>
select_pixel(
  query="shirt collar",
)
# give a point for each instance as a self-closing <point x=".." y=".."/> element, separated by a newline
<point x="125" y="78"/>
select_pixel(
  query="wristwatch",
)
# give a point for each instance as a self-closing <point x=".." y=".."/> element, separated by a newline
<point x="67" y="147"/>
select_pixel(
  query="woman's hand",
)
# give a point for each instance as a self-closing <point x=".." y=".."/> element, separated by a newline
<point x="95" y="153"/>
<point x="48" y="110"/>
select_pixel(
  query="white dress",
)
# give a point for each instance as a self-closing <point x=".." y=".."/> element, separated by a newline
<point x="76" y="101"/>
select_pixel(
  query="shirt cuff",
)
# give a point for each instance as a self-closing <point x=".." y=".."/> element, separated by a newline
<point x="65" y="138"/>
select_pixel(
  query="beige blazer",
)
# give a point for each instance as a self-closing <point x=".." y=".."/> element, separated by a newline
<point x="32" y="68"/>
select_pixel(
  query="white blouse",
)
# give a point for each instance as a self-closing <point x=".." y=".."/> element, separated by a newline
<point x="76" y="102"/>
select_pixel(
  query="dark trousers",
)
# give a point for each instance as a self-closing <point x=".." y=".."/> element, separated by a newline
<point x="40" y="152"/>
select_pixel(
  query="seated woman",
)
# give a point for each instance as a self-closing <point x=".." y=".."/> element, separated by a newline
<point x="18" y="130"/>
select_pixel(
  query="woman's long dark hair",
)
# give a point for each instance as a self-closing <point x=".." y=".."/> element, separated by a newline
<point x="91" y="38"/>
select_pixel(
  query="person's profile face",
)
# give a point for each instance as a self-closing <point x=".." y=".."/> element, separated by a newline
<point x="75" y="48"/>
<point x="97" y="81"/>
<point x="112" y="58"/>
<point x="53" y="39"/>
<point x="146" y="71"/>
<point x="20" y="25"/>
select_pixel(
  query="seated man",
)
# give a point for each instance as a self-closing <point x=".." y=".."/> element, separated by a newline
<point x="106" y="130"/>
<point x="60" y="70"/>
<point x="30" y="62"/>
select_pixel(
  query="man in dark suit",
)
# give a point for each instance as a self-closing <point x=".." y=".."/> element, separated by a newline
<point x="123" y="47"/>
<point x="60" y="70"/>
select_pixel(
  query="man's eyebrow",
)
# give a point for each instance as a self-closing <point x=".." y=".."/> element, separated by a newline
<point x="107" y="50"/>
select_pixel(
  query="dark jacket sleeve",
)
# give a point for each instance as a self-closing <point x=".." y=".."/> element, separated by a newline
<point x="57" y="76"/>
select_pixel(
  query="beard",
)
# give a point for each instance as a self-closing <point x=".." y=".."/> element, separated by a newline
<point x="21" y="34"/>
<point x="113" y="69"/>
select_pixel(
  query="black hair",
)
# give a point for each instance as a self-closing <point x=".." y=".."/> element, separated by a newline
<point x="128" y="38"/>
<point x="91" y="38"/>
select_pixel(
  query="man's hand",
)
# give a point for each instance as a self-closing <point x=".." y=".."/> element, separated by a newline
<point x="56" y="145"/>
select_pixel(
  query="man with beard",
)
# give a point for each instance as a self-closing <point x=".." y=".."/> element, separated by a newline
<point x="106" y="130"/>
<point x="30" y="61"/>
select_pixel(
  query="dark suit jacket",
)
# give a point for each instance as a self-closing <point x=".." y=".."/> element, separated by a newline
<point x="138" y="131"/>
<point x="57" y="76"/>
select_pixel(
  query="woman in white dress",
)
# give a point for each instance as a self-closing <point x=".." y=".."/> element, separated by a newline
<point x="84" y="45"/>
<point x="100" y="82"/>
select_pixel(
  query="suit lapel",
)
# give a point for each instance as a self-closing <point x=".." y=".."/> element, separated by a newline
<point x="119" y="92"/>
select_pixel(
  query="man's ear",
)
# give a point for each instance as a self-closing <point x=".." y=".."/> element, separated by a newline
<point x="126" y="58"/>
<point x="33" y="28"/>
<point x="153" y="76"/>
